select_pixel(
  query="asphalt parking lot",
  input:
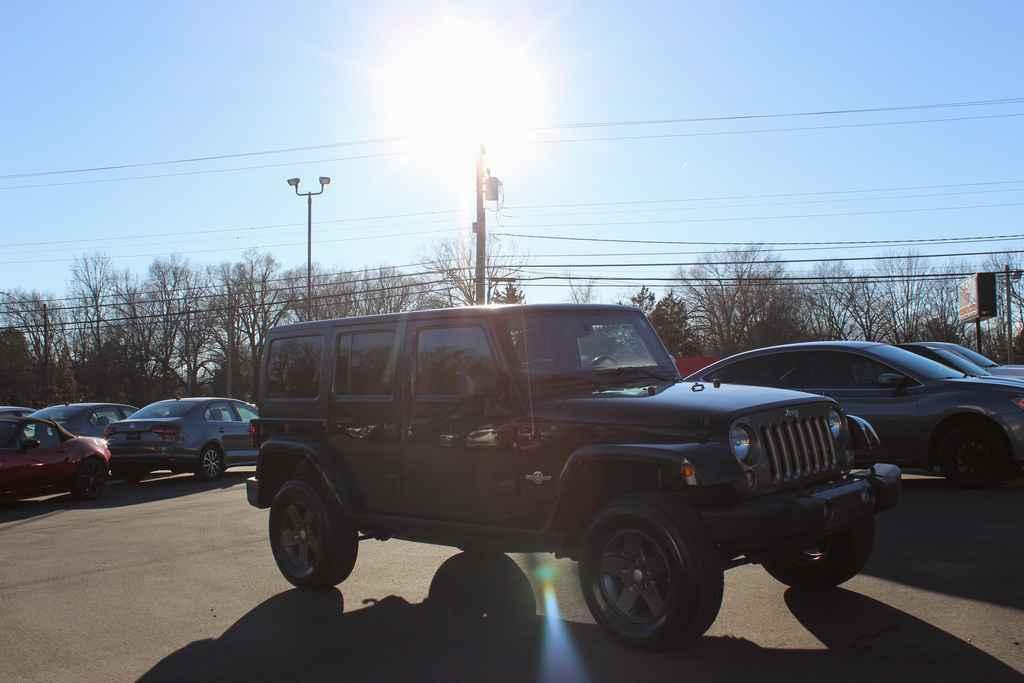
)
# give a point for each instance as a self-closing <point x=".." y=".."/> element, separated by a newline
<point x="173" y="580"/>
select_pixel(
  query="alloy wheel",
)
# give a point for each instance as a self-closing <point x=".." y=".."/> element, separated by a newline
<point x="300" y="538"/>
<point x="634" y="577"/>
<point x="211" y="463"/>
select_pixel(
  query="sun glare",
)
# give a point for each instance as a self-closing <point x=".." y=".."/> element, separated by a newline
<point x="453" y="87"/>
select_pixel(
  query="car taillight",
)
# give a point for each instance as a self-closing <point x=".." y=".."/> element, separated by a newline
<point x="108" y="431"/>
<point x="166" y="433"/>
<point x="254" y="434"/>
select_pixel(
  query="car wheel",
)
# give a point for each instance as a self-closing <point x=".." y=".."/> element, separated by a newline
<point x="211" y="463"/>
<point x="970" y="456"/>
<point x="314" y="543"/>
<point x="90" y="479"/>
<point x="837" y="559"/>
<point x="650" y="580"/>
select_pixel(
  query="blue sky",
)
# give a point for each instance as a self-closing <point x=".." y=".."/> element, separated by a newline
<point x="134" y="82"/>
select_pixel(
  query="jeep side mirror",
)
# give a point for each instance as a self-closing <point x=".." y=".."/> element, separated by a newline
<point x="892" y="380"/>
<point x="29" y="444"/>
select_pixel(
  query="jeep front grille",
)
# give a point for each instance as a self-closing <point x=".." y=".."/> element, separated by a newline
<point x="799" y="448"/>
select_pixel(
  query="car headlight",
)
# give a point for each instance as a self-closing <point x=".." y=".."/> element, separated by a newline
<point x="741" y="441"/>
<point x="835" y="424"/>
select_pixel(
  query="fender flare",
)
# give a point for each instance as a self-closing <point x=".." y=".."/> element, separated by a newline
<point x="275" y="450"/>
<point x="713" y="462"/>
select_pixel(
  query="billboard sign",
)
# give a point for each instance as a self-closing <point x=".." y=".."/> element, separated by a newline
<point x="977" y="297"/>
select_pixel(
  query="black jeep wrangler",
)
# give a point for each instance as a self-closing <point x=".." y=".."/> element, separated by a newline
<point x="556" y="428"/>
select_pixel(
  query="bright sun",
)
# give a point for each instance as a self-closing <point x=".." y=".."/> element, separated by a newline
<point x="453" y="87"/>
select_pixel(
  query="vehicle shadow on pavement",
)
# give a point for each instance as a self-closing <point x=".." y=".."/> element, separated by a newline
<point x="309" y="636"/>
<point x="119" y="494"/>
<point x="958" y="542"/>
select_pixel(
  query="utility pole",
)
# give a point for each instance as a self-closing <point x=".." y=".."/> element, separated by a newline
<point x="1009" y="317"/>
<point x="229" y="356"/>
<point x="480" y="228"/>
<point x="294" y="182"/>
<point x="188" y="346"/>
<point x="977" y="333"/>
<point x="46" y="355"/>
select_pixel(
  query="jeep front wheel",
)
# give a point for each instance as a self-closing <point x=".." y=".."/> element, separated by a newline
<point x="650" y="581"/>
<point x="837" y="559"/>
<point x="313" y="543"/>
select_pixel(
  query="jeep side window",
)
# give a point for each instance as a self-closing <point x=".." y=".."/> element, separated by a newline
<point x="450" y="361"/>
<point x="293" y="367"/>
<point x="365" y="364"/>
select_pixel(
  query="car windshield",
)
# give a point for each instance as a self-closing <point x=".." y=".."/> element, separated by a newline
<point x="56" y="413"/>
<point x="960" y="363"/>
<point x="163" y="409"/>
<point x="582" y="344"/>
<point x="974" y="356"/>
<point x="7" y="430"/>
<point x="919" y="366"/>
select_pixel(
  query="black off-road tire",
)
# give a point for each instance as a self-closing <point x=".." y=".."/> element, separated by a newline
<point x="839" y="558"/>
<point x="973" y="456"/>
<point x="675" y="559"/>
<point x="314" y="543"/>
<point x="211" y="463"/>
<point x="90" y="479"/>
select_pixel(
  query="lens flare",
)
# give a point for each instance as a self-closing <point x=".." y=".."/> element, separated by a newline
<point x="559" y="659"/>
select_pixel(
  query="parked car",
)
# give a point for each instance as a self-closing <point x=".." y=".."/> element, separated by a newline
<point x="926" y="414"/>
<point x="85" y="419"/>
<point x="951" y="360"/>
<point x="562" y="429"/>
<point x="978" y="359"/>
<point x="39" y="456"/>
<point x="15" y="411"/>
<point x="200" y="435"/>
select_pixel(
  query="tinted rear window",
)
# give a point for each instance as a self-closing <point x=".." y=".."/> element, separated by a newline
<point x="57" y="413"/>
<point x="365" y="364"/>
<point x="7" y="430"/>
<point x="905" y="361"/>
<point x="164" y="409"/>
<point x="293" y="367"/>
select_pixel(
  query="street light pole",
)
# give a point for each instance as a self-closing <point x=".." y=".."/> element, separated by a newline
<point x="294" y="182"/>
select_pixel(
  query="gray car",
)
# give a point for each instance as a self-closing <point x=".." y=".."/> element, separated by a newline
<point x="85" y="419"/>
<point x="15" y="411"/>
<point x="978" y="359"/>
<point x="927" y="414"/>
<point x="200" y="435"/>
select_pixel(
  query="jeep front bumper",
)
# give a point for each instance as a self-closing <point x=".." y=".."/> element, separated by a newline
<point x="805" y="516"/>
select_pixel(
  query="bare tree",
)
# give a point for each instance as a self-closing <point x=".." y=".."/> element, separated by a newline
<point x="453" y="264"/>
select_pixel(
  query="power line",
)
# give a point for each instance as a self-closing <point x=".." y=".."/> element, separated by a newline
<point x="733" y="219"/>
<point x="794" y="129"/>
<point x="763" y="243"/>
<point x="201" y="172"/>
<point x="823" y="112"/>
<point x="564" y="126"/>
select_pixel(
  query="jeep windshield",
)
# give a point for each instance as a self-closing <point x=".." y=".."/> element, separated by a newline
<point x="590" y="346"/>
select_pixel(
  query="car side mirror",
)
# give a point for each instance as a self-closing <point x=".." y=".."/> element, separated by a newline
<point x="891" y="380"/>
<point x="29" y="444"/>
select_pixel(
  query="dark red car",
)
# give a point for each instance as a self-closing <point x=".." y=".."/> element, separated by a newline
<point x="39" y="456"/>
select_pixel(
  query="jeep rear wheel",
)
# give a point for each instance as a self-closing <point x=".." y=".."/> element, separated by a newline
<point x="649" y="580"/>
<point x="837" y="559"/>
<point x="314" y="544"/>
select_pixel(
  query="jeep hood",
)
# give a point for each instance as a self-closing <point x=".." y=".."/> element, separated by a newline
<point x="679" y="405"/>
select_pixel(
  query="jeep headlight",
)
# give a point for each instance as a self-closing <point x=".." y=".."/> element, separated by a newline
<point x="835" y="424"/>
<point x="741" y="441"/>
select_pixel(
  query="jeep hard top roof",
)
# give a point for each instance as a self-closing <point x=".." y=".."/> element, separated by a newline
<point x="463" y="311"/>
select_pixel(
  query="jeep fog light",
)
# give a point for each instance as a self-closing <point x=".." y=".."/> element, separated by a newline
<point x="741" y="442"/>
<point x="835" y="424"/>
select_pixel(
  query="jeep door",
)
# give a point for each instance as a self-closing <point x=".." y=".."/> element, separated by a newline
<point x="363" y="423"/>
<point x="453" y="435"/>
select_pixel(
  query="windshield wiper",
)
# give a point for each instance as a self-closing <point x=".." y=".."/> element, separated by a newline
<point x="642" y="370"/>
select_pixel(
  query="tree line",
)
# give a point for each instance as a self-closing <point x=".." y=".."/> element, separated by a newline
<point x="181" y="329"/>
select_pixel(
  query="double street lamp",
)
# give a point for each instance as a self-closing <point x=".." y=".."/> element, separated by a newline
<point x="294" y="182"/>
